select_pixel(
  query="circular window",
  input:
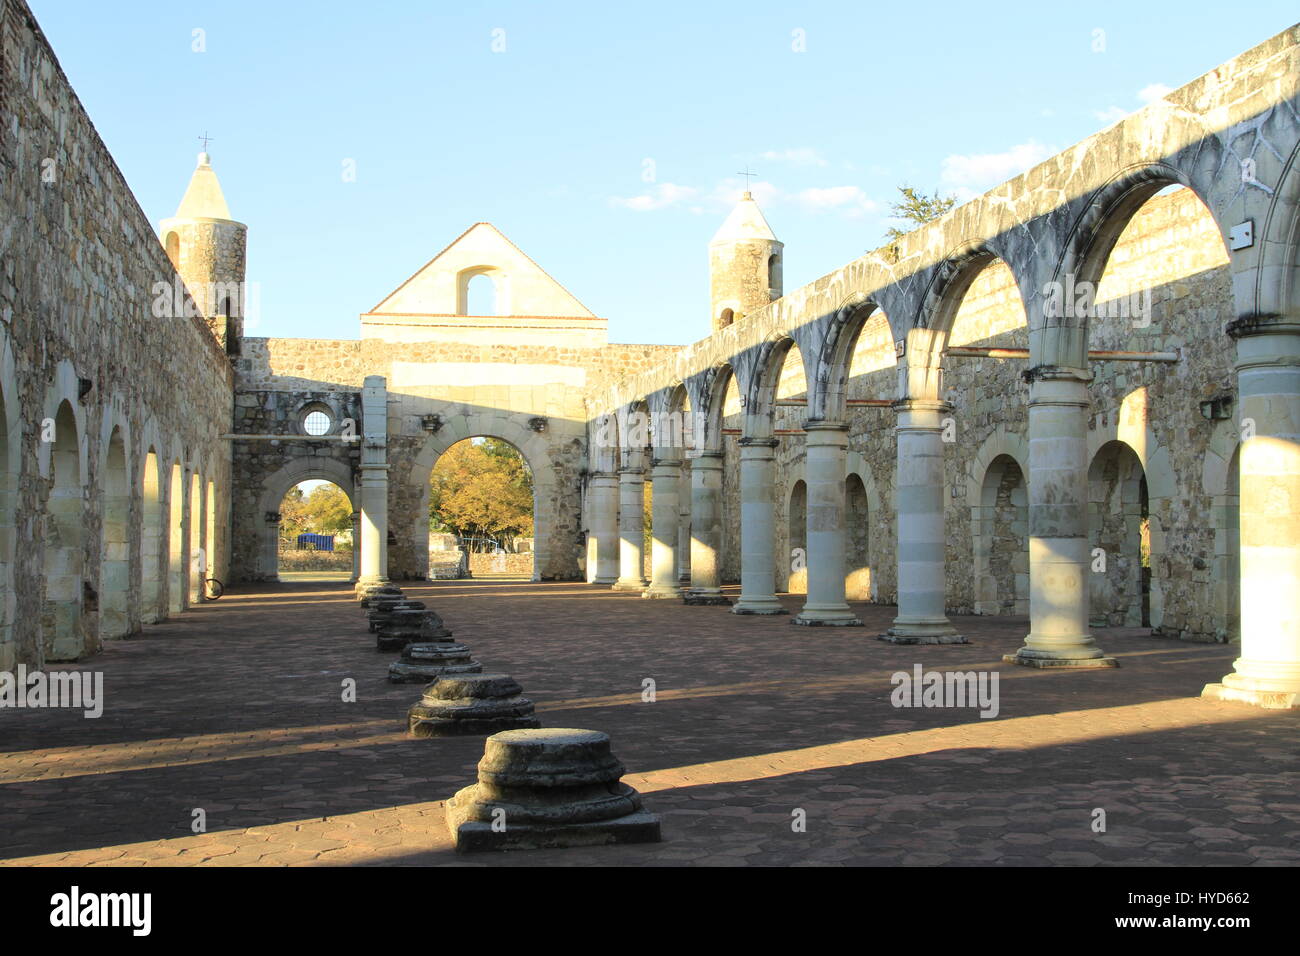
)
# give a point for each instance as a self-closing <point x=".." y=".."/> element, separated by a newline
<point x="316" y="422"/>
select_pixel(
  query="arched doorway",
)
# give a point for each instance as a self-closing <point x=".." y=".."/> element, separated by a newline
<point x="62" y="627"/>
<point x="176" y="561"/>
<point x="315" y="533"/>
<point x="1119" y="525"/>
<point x="197" y="559"/>
<point x="857" y="566"/>
<point x="114" y="566"/>
<point x="797" y="511"/>
<point x="151" y="550"/>
<point x="481" y="507"/>
<point x="308" y="475"/>
<point x="1001" y="536"/>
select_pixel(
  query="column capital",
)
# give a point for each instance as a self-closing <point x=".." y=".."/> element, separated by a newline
<point x="594" y="475"/>
<point x="824" y="426"/>
<point x="1262" y="324"/>
<point x="630" y="473"/>
<point x="657" y="463"/>
<point x="1058" y="385"/>
<point x="747" y="442"/>
<point x="920" y="405"/>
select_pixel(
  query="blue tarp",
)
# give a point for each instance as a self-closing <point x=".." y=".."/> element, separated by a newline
<point x="321" y="542"/>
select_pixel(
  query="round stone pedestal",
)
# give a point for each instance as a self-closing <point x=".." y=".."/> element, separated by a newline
<point x="381" y="611"/>
<point x="411" y="627"/>
<point x="548" y="788"/>
<point x="470" y="704"/>
<point x="367" y="592"/>
<point x="422" y="663"/>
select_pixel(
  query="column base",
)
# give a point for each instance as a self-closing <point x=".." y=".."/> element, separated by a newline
<point x="826" y="617"/>
<point x="704" y="597"/>
<point x="1028" y="660"/>
<point x="923" y="632"/>
<point x="1269" y="691"/>
<point x="621" y="585"/>
<point x="606" y="581"/>
<point x="1077" y="651"/>
<point x="758" y="606"/>
<point x="670" y="592"/>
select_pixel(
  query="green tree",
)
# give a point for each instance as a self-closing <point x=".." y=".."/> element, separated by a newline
<point x="481" y="489"/>
<point x="917" y="209"/>
<point x="328" y="510"/>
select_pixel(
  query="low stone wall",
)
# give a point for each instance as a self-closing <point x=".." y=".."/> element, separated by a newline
<point x="315" y="560"/>
<point x="500" y="564"/>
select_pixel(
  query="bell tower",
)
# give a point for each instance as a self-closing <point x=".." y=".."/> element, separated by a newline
<point x="207" y="248"/>
<point x="744" y="264"/>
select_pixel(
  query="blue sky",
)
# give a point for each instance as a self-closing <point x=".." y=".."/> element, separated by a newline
<point x="549" y="137"/>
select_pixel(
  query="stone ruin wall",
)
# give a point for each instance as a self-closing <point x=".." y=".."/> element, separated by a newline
<point x="551" y="383"/>
<point x="266" y="412"/>
<point x="1171" y="248"/>
<point x="80" y="262"/>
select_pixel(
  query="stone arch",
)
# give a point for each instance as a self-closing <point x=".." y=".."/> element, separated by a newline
<point x="836" y="360"/>
<point x="276" y="485"/>
<point x="866" y="549"/>
<point x="500" y="283"/>
<point x="1000" y="539"/>
<point x="1062" y="339"/>
<point x="1118" y="507"/>
<point x="177" y="565"/>
<point x="62" y="620"/>
<point x="760" y="402"/>
<point x="151" y="536"/>
<point x="531" y="444"/>
<point x="1276" y="286"/>
<point x="797" y="540"/>
<point x="115" y="532"/>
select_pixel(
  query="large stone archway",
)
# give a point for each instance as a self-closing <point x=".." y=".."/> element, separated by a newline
<point x="275" y="487"/>
<point x="549" y="557"/>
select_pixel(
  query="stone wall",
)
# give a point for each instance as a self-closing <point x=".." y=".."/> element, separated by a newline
<point x="81" y="261"/>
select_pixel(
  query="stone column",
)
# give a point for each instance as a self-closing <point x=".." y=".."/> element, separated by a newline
<point x="356" y="547"/>
<point x="919" y="493"/>
<point x="706" y="529"/>
<point x="374" y="482"/>
<point x="1267" y="673"/>
<point x="757" y="528"/>
<point x="271" y="547"/>
<point x="666" y="474"/>
<point x="1059" y="556"/>
<point x="631" y="530"/>
<point x="826" y="444"/>
<point x="603" y="491"/>
<point x="684" y="530"/>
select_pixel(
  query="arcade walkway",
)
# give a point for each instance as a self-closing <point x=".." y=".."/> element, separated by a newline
<point x="236" y="708"/>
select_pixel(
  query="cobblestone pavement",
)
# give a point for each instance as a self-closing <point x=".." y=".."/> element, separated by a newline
<point x="236" y="708"/>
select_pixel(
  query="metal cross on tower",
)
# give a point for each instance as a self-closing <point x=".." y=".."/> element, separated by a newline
<point x="206" y="139"/>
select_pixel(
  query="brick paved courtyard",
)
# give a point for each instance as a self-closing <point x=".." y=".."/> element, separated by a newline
<point x="236" y="708"/>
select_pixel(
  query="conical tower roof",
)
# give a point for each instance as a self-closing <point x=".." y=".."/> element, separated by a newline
<point x="203" y="199"/>
<point x="746" y="222"/>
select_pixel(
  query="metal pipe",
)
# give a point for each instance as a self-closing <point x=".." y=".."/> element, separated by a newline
<point x="1095" y="355"/>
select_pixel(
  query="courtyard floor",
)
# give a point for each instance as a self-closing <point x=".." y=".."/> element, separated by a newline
<point x="236" y="708"/>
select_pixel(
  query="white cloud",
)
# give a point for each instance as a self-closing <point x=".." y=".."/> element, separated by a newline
<point x="804" y="156"/>
<point x="665" y="194"/>
<point x="1112" y="114"/>
<point x="982" y="171"/>
<point x="1154" y="91"/>
<point x="1147" y="95"/>
<point x="849" y="200"/>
